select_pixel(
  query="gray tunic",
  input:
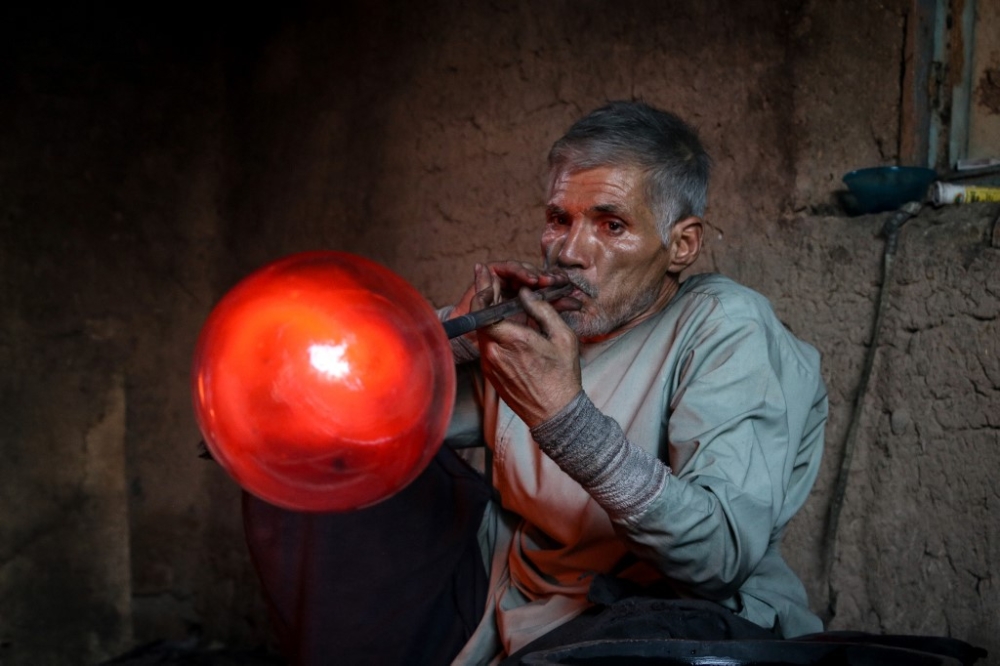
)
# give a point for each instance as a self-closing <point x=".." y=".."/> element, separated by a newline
<point x="716" y="388"/>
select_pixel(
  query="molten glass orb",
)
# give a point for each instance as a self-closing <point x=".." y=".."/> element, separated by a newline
<point x="323" y="382"/>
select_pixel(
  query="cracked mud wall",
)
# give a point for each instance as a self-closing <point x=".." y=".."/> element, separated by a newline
<point x="147" y="162"/>
<point x="918" y="547"/>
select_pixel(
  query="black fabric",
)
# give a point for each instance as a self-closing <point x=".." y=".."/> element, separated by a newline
<point x="623" y="611"/>
<point x="401" y="582"/>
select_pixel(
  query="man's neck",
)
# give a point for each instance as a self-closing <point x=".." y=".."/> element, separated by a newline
<point x="669" y="289"/>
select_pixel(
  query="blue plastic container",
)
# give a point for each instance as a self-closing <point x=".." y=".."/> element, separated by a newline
<point x="878" y="189"/>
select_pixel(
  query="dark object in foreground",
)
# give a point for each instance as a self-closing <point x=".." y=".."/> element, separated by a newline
<point x="674" y="652"/>
<point x="647" y="626"/>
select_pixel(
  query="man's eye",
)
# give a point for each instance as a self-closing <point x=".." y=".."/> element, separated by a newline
<point x="615" y="226"/>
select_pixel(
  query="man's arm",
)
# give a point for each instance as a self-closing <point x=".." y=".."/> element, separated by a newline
<point x="592" y="449"/>
<point x="689" y="531"/>
<point x="745" y="434"/>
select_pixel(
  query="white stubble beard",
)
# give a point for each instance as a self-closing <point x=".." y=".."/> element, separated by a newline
<point x="608" y="317"/>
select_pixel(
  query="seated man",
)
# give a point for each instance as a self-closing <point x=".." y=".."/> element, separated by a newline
<point x="653" y="432"/>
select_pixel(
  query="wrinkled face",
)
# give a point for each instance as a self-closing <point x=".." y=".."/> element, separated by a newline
<point x="600" y="230"/>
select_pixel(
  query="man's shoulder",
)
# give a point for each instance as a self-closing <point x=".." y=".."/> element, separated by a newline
<point x="714" y="306"/>
<point x="726" y="296"/>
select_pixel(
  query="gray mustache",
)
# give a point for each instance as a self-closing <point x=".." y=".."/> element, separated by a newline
<point x="575" y="279"/>
<point x="581" y="283"/>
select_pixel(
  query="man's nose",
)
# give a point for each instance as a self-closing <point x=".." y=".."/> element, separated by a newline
<point x="572" y="251"/>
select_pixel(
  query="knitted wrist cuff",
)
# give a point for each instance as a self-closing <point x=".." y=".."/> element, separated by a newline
<point x="592" y="449"/>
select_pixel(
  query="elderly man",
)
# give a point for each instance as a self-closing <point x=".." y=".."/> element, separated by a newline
<point x="648" y="438"/>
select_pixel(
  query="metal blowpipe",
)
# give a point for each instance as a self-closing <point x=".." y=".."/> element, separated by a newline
<point x="491" y="315"/>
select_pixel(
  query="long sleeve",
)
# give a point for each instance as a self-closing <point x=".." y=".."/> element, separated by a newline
<point x="743" y="425"/>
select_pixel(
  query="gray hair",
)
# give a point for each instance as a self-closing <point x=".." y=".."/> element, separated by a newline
<point x="634" y="134"/>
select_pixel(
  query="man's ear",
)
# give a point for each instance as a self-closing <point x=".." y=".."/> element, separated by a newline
<point x="685" y="243"/>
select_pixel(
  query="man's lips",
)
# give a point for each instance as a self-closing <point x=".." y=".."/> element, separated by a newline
<point x="581" y="288"/>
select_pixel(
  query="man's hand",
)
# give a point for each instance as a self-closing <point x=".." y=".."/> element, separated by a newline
<point x="509" y="276"/>
<point x="534" y="365"/>
<point x="503" y="280"/>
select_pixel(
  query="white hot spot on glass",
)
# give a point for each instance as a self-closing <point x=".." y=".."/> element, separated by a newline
<point x="329" y="360"/>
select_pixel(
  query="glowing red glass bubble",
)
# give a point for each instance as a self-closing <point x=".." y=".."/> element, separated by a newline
<point x="323" y="382"/>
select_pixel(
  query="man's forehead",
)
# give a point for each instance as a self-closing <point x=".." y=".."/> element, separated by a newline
<point x="603" y="188"/>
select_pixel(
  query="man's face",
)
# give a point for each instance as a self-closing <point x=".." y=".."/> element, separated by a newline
<point x="600" y="231"/>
